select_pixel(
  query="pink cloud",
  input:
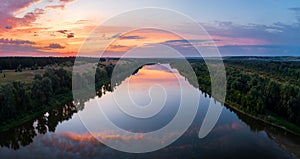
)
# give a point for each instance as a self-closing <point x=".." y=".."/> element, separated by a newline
<point x="9" y="7"/>
<point x="223" y="41"/>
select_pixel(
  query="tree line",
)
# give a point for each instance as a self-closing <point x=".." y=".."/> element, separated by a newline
<point x="14" y="63"/>
<point x="28" y="62"/>
<point x="259" y="87"/>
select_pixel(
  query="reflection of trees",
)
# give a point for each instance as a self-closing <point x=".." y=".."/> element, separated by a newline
<point x="23" y="135"/>
<point x="287" y="141"/>
<point x="42" y="122"/>
<point x="253" y="124"/>
<point x="19" y="136"/>
<point x="59" y="114"/>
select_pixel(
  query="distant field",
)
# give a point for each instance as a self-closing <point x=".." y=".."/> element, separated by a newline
<point x="27" y="76"/>
<point x="24" y="76"/>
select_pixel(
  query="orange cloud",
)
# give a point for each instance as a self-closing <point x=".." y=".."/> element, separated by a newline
<point x="60" y="6"/>
<point x="16" y="23"/>
<point x="137" y="38"/>
<point x="102" y="136"/>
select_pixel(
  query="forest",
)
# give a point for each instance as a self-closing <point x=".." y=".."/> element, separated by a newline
<point x="28" y="62"/>
<point x="269" y="90"/>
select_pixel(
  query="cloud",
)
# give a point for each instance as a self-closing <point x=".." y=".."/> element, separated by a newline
<point x="296" y="10"/>
<point x="18" y="48"/>
<point x="276" y="34"/>
<point x="131" y="37"/>
<point x="116" y="35"/>
<point x="54" y="46"/>
<point x="118" y="47"/>
<point x="259" y="50"/>
<point x="183" y="41"/>
<point x="126" y="37"/>
<point x="16" y="42"/>
<point x="72" y="145"/>
<point x="66" y="1"/>
<point x="70" y="35"/>
<point x="39" y="11"/>
<point x="67" y="33"/>
<point x="186" y="46"/>
<point x="7" y="48"/>
<point x="59" y="6"/>
<point x="62" y="31"/>
<point x="8" y="27"/>
<point x="9" y="7"/>
<point x="250" y="39"/>
<point x="102" y="136"/>
<point x="236" y="39"/>
<point x="82" y="21"/>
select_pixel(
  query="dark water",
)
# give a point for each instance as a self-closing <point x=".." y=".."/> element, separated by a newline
<point x="60" y="133"/>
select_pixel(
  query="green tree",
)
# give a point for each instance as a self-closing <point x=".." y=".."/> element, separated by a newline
<point x="21" y="97"/>
<point x="47" y="88"/>
<point x="8" y="108"/>
<point x="42" y="90"/>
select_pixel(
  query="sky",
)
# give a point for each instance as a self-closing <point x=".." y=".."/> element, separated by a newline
<point x="61" y="27"/>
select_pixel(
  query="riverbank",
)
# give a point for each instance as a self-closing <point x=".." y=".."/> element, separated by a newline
<point x="56" y="101"/>
<point x="269" y="119"/>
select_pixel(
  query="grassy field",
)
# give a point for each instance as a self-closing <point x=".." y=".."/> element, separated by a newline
<point x="27" y="75"/>
<point x="24" y="76"/>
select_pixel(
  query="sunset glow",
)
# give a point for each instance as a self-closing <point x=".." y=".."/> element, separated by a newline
<point x="60" y="27"/>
